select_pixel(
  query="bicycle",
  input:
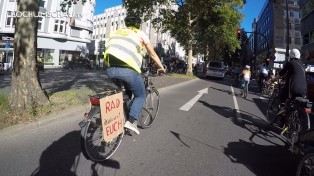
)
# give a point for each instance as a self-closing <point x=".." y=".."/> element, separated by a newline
<point x="296" y="118"/>
<point x="244" y="88"/>
<point x="303" y="143"/>
<point x="93" y="144"/>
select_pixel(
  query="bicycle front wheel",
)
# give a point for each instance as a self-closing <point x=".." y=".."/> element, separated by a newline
<point x="272" y="109"/>
<point x="93" y="143"/>
<point x="150" y="109"/>
<point x="306" y="165"/>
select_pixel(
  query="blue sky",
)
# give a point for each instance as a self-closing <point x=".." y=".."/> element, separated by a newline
<point x="251" y="10"/>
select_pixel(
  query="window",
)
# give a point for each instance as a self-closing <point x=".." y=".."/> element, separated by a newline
<point x="297" y="41"/>
<point x="10" y="19"/>
<point x="60" y="26"/>
<point x="297" y="27"/>
<point x="42" y="4"/>
<point x="289" y="40"/>
<point x="306" y="39"/>
<point x="40" y="23"/>
<point x="312" y="36"/>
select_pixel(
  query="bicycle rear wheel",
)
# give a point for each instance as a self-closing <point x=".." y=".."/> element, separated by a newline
<point x="245" y="90"/>
<point x="273" y="107"/>
<point x="298" y="120"/>
<point x="150" y="109"/>
<point x="93" y="143"/>
<point x="306" y="165"/>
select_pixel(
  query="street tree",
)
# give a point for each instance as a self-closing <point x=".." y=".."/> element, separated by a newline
<point x="27" y="95"/>
<point x="200" y="26"/>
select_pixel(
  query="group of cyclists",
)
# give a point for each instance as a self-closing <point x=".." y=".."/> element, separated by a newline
<point x="294" y="76"/>
<point x="124" y="55"/>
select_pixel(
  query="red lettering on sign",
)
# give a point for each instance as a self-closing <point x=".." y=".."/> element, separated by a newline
<point x="117" y="103"/>
<point x="107" y="107"/>
<point x="114" y="127"/>
<point x="112" y="105"/>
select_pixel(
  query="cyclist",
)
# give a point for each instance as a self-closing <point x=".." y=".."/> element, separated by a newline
<point x="295" y="81"/>
<point x="246" y="73"/>
<point x="263" y="74"/>
<point x="123" y="57"/>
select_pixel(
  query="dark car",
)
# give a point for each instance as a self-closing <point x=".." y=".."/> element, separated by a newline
<point x="310" y="85"/>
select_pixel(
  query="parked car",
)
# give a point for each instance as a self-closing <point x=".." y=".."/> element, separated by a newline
<point x="216" y="69"/>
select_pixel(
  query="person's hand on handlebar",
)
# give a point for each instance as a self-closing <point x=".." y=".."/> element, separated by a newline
<point x="161" y="71"/>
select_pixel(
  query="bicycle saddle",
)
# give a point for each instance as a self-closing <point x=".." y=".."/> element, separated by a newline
<point x="303" y="102"/>
<point x="118" y="82"/>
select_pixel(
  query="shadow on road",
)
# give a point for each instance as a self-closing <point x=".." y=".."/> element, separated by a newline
<point x="262" y="160"/>
<point x="271" y="159"/>
<point x="63" y="156"/>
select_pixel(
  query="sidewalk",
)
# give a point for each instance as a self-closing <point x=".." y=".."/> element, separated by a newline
<point x="160" y="82"/>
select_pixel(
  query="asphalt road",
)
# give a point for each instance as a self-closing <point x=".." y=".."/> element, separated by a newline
<point x="221" y="134"/>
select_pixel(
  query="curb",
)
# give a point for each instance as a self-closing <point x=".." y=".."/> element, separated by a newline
<point x="43" y="121"/>
<point x="23" y="128"/>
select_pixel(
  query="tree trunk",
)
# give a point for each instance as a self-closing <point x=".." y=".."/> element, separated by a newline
<point x="26" y="92"/>
<point x="189" y="70"/>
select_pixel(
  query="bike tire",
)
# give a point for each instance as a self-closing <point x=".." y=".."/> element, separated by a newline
<point x="306" y="165"/>
<point x="150" y="109"/>
<point x="245" y="91"/>
<point x="273" y="107"/>
<point x="298" y="120"/>
<point x="94" y="147"/>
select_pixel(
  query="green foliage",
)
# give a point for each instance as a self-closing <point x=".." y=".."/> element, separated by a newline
<point x="207" y="25"/>
<point x="4" y="103"/>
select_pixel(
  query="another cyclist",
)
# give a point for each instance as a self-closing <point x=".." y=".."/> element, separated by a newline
<point x="124" y="56"/>
<point x="263" y="74"/>
<point x="295" y="83"/>
<point x="246" y="73"/>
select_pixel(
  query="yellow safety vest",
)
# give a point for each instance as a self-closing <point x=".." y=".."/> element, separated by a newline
<point x="124" y="44"/>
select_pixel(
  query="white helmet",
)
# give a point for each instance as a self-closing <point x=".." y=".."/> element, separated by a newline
<point x="247" y="66"/>
<point x="294" y="54"/>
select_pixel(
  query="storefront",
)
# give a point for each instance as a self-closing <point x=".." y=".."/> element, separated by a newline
<point x="6" y="58"/>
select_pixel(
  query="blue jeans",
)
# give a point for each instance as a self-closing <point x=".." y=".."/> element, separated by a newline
<point x="135" y="84"/>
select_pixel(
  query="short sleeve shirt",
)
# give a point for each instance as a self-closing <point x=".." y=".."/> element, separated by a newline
<point x="144" y="38"/>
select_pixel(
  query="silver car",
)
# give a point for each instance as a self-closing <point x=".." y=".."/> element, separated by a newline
<point x="216" y="69"/>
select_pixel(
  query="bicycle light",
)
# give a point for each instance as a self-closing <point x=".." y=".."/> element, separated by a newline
<point x="307" y="110"/>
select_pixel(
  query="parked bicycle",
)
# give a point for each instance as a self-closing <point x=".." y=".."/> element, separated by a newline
<point x="92" y="141"/>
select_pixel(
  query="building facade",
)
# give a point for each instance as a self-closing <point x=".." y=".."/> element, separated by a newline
<point x="307" y="30"/>
<point x="113" y="19"/>
<point x="61" y="36"/>
<point x="271" y="30"/>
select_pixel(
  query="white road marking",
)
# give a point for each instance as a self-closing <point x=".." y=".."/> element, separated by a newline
<point x="236" y="106"/>
<point x="189" y="104"/>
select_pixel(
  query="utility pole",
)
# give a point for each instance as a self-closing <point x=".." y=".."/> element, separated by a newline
<point x="288" y="33"/>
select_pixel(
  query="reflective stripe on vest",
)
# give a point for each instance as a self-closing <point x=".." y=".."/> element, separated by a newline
<point x="125" y="45"/>
<point x="127" y="51"/>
